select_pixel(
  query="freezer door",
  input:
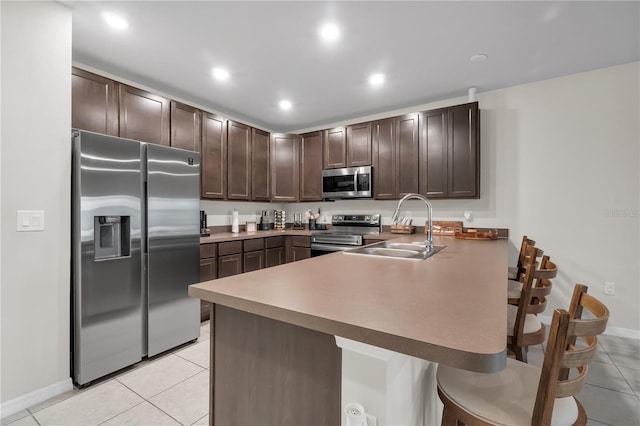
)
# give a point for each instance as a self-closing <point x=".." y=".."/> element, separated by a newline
<point x="173" y="241"/>
<point x="106" y="255"/>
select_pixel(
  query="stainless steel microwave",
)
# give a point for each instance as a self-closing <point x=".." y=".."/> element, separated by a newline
<point x="348" y="182"/>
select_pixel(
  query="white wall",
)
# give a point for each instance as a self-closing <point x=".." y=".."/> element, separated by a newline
<point x="567" y="175"/>
<point x="559" y="163"/>
<point x="35" y="175"/>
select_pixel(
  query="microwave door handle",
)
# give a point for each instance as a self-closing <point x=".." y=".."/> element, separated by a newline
<point x="355" y="181"/>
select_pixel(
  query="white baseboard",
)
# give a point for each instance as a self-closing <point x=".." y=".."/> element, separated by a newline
<point x="610" y="331"/>
<point x="32" y="398"/>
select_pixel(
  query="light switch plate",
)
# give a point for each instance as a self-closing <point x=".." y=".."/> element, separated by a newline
<point x="30" y="220"/>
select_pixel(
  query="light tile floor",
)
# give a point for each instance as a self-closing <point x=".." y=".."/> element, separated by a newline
<point x="173" y="390"/>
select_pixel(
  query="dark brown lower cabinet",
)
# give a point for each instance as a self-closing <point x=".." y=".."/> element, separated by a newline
<point x="300" y="253"/>
<point x="229" y="258"/>
<point x="274" y="257"/>
<point x="298" y="248"/>
<point x="208" y="271"/>
<point x="229" y="265"/>
<point x="274" y="253"/>
<point x="253" y="261"/>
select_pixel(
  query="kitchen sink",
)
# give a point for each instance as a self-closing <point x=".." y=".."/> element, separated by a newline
<point x="405" y="246"/>
<point x="413" y="251"/>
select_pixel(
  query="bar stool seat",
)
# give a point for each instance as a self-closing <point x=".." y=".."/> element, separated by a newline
<point x="531" y="322"/>
<point x="522" y="394"/>
<point x="517" y="384"/>
<point x="514" y="289"/>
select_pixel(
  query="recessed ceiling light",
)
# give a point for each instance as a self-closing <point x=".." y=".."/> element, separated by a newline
<point x="285" y="104"/>
<point x="376" y="79"/>
<point x="329" y="31"/>
<point x="115" y="21"/>
<point x="220" y="73"/>
<point x="480" y="57"/>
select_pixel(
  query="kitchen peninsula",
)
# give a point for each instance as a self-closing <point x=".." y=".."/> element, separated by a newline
<point x="274" y="358"/>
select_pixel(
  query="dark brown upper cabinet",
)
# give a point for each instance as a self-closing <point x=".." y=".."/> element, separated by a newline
<point x="260" y="177"/>
<point x="433" y="154"/>
<point x="359" y="145"/>
<point x="407" y="149"/>
<point x="383" y="137"/>
<point x="285" y="167"/>
<point x="186" y="128"/>
<point x="449" y="152"/>
<point x="335" y="148"/>
<point x="94" y="103"/>
<point x="395" y="147"/>
<point x="238" y="161"/>
<point x="347" y="146"/>
<point x="311" y="167"/>
<point x="214" y="157"/>
<point x="464" y="151"/>
<point x="144" y="116"/>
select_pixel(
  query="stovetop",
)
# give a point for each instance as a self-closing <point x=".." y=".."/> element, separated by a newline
<point x="348" y="229"/>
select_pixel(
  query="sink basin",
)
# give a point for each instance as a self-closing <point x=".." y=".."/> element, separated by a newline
<point x="405" y="246"/>
<point x="396" y="250"/>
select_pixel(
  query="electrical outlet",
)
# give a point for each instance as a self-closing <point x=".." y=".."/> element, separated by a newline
<point x="610" y="288"/>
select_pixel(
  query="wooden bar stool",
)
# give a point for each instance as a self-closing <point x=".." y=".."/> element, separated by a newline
<point x="522" y="394"/>
<point x="523" y="326"/>
<point x="514" y="286"/>
<point x="515" y="272"/>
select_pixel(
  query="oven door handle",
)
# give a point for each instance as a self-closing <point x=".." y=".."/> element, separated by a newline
<point x="330" y="247"/>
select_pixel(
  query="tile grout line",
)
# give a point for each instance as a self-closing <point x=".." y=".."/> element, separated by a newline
<point x="610" y="390"/>
<point x="627" y="381"/>
<point x="128" y="409"/>
<point x="199" y="419"/>
<point x="176" y="420"/>
<point x="621" y="374"/>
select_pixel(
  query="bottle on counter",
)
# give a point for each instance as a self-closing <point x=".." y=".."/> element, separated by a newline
<point x="235" y="224"/>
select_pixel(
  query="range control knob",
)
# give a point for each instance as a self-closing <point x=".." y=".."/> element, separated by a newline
<point x="367" y="218"/>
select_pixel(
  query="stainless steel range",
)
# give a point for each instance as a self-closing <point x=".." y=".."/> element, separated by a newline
<point x="347" y="232"/>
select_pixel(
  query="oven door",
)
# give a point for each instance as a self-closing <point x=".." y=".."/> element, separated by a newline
<point x="318" y="249"/>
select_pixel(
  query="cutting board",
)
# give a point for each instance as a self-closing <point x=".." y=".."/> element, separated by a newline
<point x="472" y="234"/>
<point x="444" y="227"/>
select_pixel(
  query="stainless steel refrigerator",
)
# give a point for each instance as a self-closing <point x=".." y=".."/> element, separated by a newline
<point x="135" y="250"/>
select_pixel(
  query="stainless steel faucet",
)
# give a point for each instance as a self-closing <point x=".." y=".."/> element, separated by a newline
<point x="412" y="196"/>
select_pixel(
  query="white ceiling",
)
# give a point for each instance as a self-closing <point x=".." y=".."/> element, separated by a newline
<point x="273" y="51"/>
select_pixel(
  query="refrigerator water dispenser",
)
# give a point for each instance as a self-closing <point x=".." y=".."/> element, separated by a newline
<point x="112" y="237"/>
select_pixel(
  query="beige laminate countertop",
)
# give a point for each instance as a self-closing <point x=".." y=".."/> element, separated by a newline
<point x="450" y="308"/>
